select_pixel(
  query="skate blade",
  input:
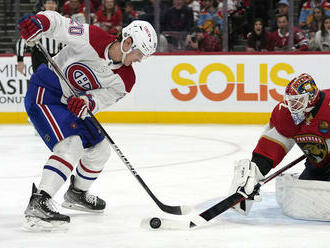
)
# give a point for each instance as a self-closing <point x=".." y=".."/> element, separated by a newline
<point x="35" y="224"/>
<point x="78" y="207"/>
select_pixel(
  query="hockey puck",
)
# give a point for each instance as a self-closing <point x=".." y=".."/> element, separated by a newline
<point x="155" y="223"/>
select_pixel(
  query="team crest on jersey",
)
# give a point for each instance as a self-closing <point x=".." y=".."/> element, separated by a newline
<point x="82" y="77"/>
<point x="324" y="126"/>
<point x="315" y="147"/>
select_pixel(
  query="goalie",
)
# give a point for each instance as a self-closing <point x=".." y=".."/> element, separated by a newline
<point x="303" y="119"/>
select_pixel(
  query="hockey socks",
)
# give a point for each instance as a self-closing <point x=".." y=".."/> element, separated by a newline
<point x="55" y="173"/>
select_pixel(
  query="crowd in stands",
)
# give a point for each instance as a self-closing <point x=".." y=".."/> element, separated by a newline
<point x="198" y="25"/>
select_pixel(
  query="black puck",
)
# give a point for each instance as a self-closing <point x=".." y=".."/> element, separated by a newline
<point x="155" y="223"/>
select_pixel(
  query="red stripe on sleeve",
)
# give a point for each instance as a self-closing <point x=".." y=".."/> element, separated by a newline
<point x="44" y="22"/>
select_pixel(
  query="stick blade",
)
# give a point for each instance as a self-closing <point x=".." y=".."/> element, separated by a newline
<point x="177" y="210"/>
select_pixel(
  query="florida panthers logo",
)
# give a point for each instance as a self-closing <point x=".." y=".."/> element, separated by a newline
<point x="313" y="146"/>
<point x="303" y="84"/>
<point x="82" y="77"/>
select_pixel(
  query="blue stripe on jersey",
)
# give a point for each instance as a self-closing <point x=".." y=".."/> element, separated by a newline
<point x="60" y="173"/>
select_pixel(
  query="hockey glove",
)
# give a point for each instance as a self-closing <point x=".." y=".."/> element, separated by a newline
<point x="79" y="105"/>
<point x="30" y="28"/>
<point x="246" y="177"/>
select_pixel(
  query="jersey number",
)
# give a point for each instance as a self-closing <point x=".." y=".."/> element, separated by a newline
<point x="76" y="28"/>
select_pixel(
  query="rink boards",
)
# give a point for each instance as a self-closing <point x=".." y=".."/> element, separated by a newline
<point x="205" y="88"/>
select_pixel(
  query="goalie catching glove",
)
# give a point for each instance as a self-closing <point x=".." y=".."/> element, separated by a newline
<point x="79" y="105"/>
<point x="246" y="177"/>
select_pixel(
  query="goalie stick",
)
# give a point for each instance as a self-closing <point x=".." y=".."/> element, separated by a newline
<point x="177" y="210"/>
<point x="236" y="198"/>
<point x="217" y="209"/>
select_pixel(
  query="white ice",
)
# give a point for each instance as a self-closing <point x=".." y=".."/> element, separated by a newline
<point x="182" y="164"/>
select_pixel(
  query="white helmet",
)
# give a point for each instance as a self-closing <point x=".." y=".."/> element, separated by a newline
<point x="143" y="35"/>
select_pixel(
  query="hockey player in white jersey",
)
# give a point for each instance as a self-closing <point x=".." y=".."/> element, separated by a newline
<point x="99" y="68"/>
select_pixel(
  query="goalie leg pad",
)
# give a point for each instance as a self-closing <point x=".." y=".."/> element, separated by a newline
<point x="303" y="199"/>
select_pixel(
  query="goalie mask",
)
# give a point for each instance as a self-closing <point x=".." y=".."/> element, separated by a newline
<point x="301" y="95"/>
<point x="143" y="35"/>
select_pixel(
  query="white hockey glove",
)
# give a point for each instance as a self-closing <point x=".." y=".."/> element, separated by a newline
<point x="246" y="177"/>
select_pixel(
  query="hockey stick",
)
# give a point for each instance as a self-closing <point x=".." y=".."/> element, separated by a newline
<point x="178" y="210"/>
<point x="236" y="198"/>
<point x="217" y="209"/>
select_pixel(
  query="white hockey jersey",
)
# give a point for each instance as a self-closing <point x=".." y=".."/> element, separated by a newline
<point x="85" y="60"/>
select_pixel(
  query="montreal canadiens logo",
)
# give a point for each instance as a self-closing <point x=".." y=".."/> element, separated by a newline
<point x="82" y="77"/>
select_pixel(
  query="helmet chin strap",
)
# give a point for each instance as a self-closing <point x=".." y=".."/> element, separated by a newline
<point x="122" y="50"/>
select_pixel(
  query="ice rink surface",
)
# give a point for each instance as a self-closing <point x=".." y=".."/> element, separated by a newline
<point x="182" y="164"/>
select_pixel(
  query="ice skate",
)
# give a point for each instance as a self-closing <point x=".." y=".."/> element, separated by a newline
<point x="41" y="214"/>
<point x="81" y="200"/>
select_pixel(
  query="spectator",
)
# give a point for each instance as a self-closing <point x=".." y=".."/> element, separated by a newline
<point x="146" y="11"/>
<point x="75" y="9"/>
<point x="282" y="9"/>
<point x="259" y="39"/>
<point x="109" y="17"/>
<point x="72" y="7"/>
<point x="196" y="8"/>
<point x="322" y="37"/>
<point x="231" y="6"/>
<point x="259" y="9"/>
<point x="179" y="17"/>
<point x="203" y="41"/>
<point x="280" y="37"/>
<point x="210" y="15"/>
<point x="129" y="14"/>
<point x="178" y="21"/>
<point x="307" y="9"/>
<point x="314" y="22"/>
<point x="40" y="5"/>
<point x="237" y="19"/>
